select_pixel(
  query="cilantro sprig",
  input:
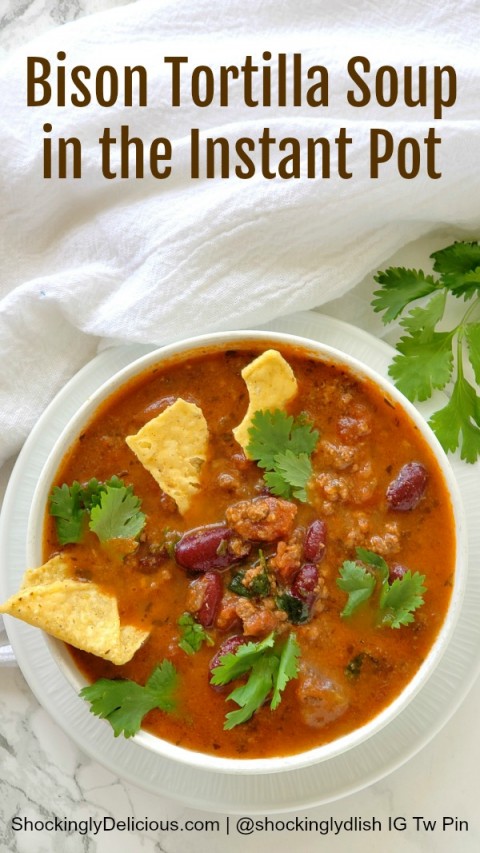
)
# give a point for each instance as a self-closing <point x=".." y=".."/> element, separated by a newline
<point x="259" y="585"/>
<point x="358" y="583"/>
<point x="124" y="703"/>
<point x="271" y="665"/>
<point x="283" y="445"/>
<point x="430" y="358"/>
<point x="110" y="508"/>
<point x="68" y="508"/>
<point x="396" y="601"/>
<point x="192" y="634"/>
<point x="118" y="515"/>
<point x="297" y="610"/>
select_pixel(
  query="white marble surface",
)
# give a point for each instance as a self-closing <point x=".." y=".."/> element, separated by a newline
<point x="43" y="774"/>
<point x="22" y="20"/>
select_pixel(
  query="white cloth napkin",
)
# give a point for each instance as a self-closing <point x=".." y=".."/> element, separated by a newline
<point x="148" y="260"/>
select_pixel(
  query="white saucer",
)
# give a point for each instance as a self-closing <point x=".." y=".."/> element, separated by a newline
<point x="323" y="783"/>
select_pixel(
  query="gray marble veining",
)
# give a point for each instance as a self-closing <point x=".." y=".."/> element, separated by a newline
<point x="23" y="20"/>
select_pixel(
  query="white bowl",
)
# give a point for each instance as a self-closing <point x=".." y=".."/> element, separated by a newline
<point x="325" y="353"/>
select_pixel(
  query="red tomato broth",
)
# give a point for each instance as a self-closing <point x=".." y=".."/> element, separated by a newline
<point x="156" y="598"/>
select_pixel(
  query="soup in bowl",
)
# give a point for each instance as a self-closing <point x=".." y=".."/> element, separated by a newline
<point x="249" y="552"/>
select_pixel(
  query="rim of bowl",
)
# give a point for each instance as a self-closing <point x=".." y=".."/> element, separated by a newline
<point x="323" y="352"/>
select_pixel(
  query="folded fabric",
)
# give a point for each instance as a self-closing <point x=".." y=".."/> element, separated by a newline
<point x="154" y="260"/>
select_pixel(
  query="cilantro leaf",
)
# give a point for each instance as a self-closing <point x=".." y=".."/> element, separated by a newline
<point x="303" y="439"/>
<point x="401" y="598"/>
<point x="287" y="668"/>
<point x="91" y="494"/>
<point x="269" y="434"/>
<point x="282" y="446"/>
<point x="277" y="484"/>
<point x="358" y="583"/>
<point x="234" y="664"/>
<point x="375" y="560"/>
<point x="253" y="694"/>
<point x="66" y="507"/>
<point x="237" y="586"/>
<point x="271" y="668"/>
<point x="399" y="287"/>
<point x="296" y="609"/>
<point x="396" y="601"/>
<point x="466" y="285"/>
<point x="124" y="703"/>
<point x="111" y="505"/>
<point x="258" y="587"/>
<point x="425" y="359"/>
<point x="472" y="336"/>
<point x="193" y="635"/>
<point x="458" y="423"/>
<point x="118" y="515"/>
<point x="460" y="257"/>
<point x="422" y="320"/>
<point x="423" y="364"/>
<point x="459" y="268"/>
<point x="295" y="471"/>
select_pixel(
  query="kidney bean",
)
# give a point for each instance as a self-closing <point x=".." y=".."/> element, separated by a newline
<point x="228" y="646"/>
<point x="205" y="548"/>
<point x="396" y="572"/>
<point x="315" y="539"/>
<point x="405" y="491"/>
<point x="304" y="584"/>
<point x="212" y="596"/>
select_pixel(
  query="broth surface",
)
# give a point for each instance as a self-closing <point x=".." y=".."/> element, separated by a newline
<point x="365" y="439"/>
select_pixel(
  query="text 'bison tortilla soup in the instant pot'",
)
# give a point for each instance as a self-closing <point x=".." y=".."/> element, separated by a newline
<point x="249" y="551"/>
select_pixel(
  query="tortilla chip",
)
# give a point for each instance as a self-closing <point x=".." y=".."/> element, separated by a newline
<point x="58" y="568"/>
<point x="131" y="639"/>
<point x="173" y="447"/>
<point x="77" y="612"/>
<point x="271" y="384"/>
